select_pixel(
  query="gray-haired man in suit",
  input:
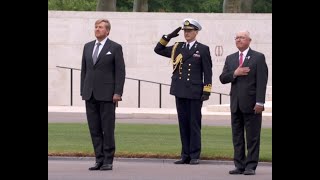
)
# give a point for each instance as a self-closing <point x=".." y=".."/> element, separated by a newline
<point x="247" y="72"/>
<point x="102" y="81"/>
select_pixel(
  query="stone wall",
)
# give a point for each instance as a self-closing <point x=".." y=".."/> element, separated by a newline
<point x="138" y="33"/>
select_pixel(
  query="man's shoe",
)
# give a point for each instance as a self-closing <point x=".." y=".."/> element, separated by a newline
<point x="249" y="172"/>
<point x="182" y="161"/>
<point x="95" y="167"/>
<point x="236" y="171"/>
<point x="106" y="167"/>
<point x="194" y="161"/>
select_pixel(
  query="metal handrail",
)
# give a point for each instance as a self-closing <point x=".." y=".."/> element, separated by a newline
<point x="139" y="85"/>
<point x="71" y="79"/>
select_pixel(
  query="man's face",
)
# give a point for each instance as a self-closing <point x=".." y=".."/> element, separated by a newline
<point x="190" y="34"/>
<point x="101" y="31"/>
<point x="242" y="41"/>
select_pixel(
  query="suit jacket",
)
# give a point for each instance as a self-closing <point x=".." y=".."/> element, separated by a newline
<point x="107" y="76"/>
<point x="192" y="76"/>
<point x="246" y="90"/>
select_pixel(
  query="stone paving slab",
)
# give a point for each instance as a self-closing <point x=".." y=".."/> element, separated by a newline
<point x="149" y="169"/>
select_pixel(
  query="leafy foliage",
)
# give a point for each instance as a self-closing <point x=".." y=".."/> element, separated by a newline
<point x="72" y="5"/>
<point x="262" y="6"/>
<point x="124" y="5"/>
<point x="190" y="6"/>
<point x="199" y="6"/>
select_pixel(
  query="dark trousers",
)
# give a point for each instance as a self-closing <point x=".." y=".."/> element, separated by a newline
<point x="101" y="122"/>
<point x="249" y="125"/>
<point x="189" y="115"/>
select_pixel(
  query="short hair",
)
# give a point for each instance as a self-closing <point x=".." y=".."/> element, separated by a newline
<point x="108" y="24"/>
<point x="246" y="32"/>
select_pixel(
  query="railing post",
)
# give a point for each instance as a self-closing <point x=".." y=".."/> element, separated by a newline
<point x="160" y="95"/>
<point x="139" y="88"/>
<point x="71" y="87"/>
<point x="138" y="93"/>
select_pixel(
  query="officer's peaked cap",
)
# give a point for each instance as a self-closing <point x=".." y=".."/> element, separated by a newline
<point x="189" y="23"/>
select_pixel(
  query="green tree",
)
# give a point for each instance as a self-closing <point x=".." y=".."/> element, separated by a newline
<point x="247" y="6"/>
<point x="124" y="5"/>
<point x="106" y="5"/>
<point x="262" y="6"/>
<point x="199" y="6"/>
<point x="72" y="5"/>
<point x="140" y="6"/>
<point x="231" y="6"/>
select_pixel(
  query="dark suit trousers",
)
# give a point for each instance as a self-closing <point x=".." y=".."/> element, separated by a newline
<point x="189" y="115"/>
<point x="250" y="125"/>
<point x="101" y="122"/>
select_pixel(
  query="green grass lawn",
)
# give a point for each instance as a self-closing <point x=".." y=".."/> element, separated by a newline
<point x="145" y="140"/>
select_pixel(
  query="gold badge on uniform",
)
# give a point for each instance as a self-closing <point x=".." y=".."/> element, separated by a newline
<point x="186" y="23"/>
<point x="207" y="88"/>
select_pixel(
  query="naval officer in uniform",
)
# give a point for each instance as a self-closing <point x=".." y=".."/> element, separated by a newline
<point x="191" y="85"/>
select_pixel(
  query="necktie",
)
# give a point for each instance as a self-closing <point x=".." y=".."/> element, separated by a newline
<point x="95" y="54"/>
<point x="188" y="46"/>
<point x="241" y="59"/>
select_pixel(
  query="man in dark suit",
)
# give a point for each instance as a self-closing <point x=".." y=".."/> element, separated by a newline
<point x="102" y="81"/>
<point x="191" y="85"/>
<point x="247" y="72"/>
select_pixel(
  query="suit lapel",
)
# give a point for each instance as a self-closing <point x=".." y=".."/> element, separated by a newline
<point x="184" y="51"/>
<point x="236" y="60"/>
<point x="91" y="51"/>
<point x="193" y="48"/>
<point x="246" y="59"/>
<point x="187" y="53"/>
<point x="104" y="50"/>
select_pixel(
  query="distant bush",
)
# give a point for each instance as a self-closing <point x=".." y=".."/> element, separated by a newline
<point x="199" y="6"/>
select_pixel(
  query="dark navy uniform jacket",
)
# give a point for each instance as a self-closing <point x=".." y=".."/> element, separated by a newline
<point x="192" y="69"/>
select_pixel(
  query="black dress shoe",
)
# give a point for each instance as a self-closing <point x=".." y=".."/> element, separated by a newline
<point x="182" y="161"/>
<point x="194" y="161"/>
<point x="96" y="166"/>
<point x="236" y="171"/>
<point x="106" y="167"/>
<point x="249" y="172"/>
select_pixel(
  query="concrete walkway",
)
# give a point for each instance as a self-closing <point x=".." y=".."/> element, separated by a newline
<point x="221" y="117"/>
<point x="62" y="168"/>
<point x="70" y="168"/>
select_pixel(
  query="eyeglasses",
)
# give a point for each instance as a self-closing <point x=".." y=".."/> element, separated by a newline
<point x="239" y="37"/>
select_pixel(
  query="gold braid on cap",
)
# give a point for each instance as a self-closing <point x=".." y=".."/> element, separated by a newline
<point x="207" y="88"/>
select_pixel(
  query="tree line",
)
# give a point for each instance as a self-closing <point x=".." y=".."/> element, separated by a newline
<point x="196" y="6"/>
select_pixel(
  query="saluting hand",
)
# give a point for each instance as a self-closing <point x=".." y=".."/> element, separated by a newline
<point x="174" y="33"/>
